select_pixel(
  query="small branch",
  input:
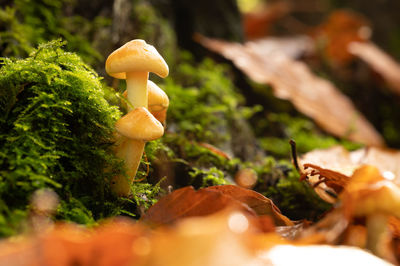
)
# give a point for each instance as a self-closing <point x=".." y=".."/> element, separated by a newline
<point x="294" y="155"/>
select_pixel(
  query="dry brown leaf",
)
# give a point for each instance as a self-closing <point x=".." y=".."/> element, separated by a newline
<point x="340" y="160"/>
<point x="333" y="167"/>
<point x="380" y="61"/>
<point x="187" y="202"/>
<point x="293" y="81"/>
<point x="256" y="201"/>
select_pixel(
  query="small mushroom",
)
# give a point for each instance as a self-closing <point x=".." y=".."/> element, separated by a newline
<point x="133" y="61"/>
<point x="371" y="196"/>
<point x="158" y="101"/>
<point x="136" y="127"/>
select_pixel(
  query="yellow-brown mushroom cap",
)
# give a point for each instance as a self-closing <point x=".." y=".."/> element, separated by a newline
<point x="158" y="99"/>
<point x="139" y="124"/>
<point x="135" y="56"/>
<point x="368" y="192"/>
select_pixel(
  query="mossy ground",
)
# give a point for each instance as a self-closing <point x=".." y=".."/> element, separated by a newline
<point x="56" y="125"/>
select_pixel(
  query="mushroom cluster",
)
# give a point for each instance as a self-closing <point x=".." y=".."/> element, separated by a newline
<point x="146" y="109"/>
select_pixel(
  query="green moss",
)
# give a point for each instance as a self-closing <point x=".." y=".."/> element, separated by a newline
<point x="26" y="23"/>
<point x="302" y="130"/>
<point x="56" y="132"/>
<point x="203" y="100"/>
<point x="280" y="182"/>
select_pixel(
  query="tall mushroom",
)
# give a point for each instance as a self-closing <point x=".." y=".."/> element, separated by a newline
<point x="370" y="195"/>
<point x="133" y="61"/>
<point x="136" y="127"/>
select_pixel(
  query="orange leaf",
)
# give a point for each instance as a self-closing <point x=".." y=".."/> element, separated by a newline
<point x="187" y="202"/>
<point x="256" y="201"/>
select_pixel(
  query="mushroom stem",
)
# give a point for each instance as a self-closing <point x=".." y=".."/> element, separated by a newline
<point x="378" y="236"/>
<point x="131" y="151"/>
<point x="136" y="86"/>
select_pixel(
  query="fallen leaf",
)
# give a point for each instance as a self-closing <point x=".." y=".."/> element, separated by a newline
<point x="380" y="61"/>
<point x="256" y="201"/>
<point x="292" y="80"/>
<point x="333" y="167"/>
<point x="187" y="202"/>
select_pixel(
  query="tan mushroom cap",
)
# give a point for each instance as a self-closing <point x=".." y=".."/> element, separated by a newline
<point x="158" y="99"/>
<point x="139" y="124"/>
<point x="368" y="193"/>
<point x="135" y="56"/>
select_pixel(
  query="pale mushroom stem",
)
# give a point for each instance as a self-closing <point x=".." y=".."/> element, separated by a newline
<point x="136" y="86"/>
<point x="131" y="151"/>
<point x="378" y="238"/>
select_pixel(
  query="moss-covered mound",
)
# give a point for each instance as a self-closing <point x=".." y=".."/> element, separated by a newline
<point x="55" y="131"/>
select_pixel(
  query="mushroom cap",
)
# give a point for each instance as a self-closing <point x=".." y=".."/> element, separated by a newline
<point x="158" y="99"/>
<point x="139" y="124"/>
<point x="368" y="193"/>
<point x="135" y="56"/>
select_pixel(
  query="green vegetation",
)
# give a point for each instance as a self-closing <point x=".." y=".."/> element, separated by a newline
<point x="56" y="132"/>
<point x="279" y="181"/>
<point x="203" y="100"/>
<point x="25" y="24"/>
<point x="303" y="130"/>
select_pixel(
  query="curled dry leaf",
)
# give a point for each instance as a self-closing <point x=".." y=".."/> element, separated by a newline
<point x="332" y="168"/>
<point x="380" y="61"/>
<point x="186" y="202"/>
<point x="256" y="201"/>
<point x="292" y="80"/>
